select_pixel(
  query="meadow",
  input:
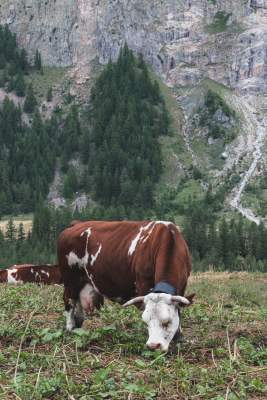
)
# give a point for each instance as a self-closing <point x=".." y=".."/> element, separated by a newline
<point x="223" y="355"/>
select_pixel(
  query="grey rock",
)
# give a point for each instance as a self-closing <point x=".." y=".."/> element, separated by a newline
<point x="171" y="35"/>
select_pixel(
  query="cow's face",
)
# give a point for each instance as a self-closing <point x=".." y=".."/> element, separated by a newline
<point x="162" y="320"/>
<point x="161" y="317"/>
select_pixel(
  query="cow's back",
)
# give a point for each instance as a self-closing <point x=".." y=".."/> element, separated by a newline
<point x="97" y="252"/>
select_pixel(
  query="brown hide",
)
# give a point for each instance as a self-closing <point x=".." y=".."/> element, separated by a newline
<point x="159" y="253"/>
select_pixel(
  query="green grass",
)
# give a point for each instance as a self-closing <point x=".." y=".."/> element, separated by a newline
<point x="21" y="217"/>
<point x="223" y="355"/>
<point x="219" y="23"/>
<point x="41" y="82"/>
<point x="173" y="147"/>
<point x="191" y="189"/>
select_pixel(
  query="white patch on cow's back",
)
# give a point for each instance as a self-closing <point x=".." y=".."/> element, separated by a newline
<point x="138" y="237"/>
<point x="11" y="277"/>
<point x="45" y="273"/>
<point x="94" y="256"/>
<point x="73" y="259"/>
<point x="166" y="223"/>
<point x="88" y="231"/>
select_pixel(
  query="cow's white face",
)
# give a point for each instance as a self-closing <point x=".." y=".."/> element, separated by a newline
<point x="161" y="317"/>
<point x="162" y="320"/>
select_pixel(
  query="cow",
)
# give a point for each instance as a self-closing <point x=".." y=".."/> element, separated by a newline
<point x="146" y="263"/>
<point x="19" y="274"/>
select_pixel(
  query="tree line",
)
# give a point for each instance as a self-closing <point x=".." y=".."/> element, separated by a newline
<point x="226" y="244"/>
<point x="233" y="245"/>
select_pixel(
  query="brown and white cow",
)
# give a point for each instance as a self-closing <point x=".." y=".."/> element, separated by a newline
<point x="144" y="263"/>
<point x="19" y="274"/>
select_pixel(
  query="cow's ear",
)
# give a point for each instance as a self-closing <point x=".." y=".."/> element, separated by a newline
<point x="136" y="300"/>
<point x="190" y="298"/>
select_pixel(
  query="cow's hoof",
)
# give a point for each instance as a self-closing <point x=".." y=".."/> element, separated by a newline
<point x="78" y="321"/>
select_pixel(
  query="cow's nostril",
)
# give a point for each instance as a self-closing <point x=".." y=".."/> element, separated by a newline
<point x="153" y="346"/>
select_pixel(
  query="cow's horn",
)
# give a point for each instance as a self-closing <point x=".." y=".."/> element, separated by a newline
<point x="180" y="299"/>
<point x="133" y="301"/>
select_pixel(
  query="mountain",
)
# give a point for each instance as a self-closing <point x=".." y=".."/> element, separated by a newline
<point x="204" y="53"/>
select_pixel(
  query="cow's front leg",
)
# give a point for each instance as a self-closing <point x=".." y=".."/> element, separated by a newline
<point x="79" y="315"/>
<point x="70" y="315"/>
<point x="70" y="301"/>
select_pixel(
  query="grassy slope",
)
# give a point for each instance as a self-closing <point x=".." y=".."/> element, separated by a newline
<point x="51" y="77"/>
<point x="176" y="158"/>
<point x="224" y="355"/>
<point x="173" y="147"/>
<point x="209" y="156"/>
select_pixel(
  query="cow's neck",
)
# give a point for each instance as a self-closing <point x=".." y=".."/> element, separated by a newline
<point x="164" y="287"/>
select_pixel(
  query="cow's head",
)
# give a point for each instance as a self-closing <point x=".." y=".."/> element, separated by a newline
<point x="161" y="317"/>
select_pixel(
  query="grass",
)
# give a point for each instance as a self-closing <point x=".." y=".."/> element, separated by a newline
<point x="191" y="189"/>
<point x="223" y="357"/>
<point x="255" y="195"/>
<point x="41" y="82"/>
<point x="173" y="147"/>
<point x="219" y="23"/>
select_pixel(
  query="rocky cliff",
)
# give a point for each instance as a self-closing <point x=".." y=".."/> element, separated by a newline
<point x="185" y="41"/>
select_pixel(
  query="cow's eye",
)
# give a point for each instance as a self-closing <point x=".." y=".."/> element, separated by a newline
<point x="165" y="324"/>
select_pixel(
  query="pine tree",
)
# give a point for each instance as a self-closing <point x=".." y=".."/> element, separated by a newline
<point x="10" y="231"/>
<point x="21" y="234"/>
<point x="30" y="101"/>
<point x="49" y="95"/>
<point x="2" y="61"/>
<point x="38" y="61"/>
<point x="23" y="61"/>
<point x="70" y="183"/>
<point x="19" y="85"/>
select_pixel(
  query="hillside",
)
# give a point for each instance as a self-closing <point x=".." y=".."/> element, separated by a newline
<point x="196" y="48"/>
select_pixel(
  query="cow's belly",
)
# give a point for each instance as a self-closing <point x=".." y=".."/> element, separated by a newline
<point x="114" y="284"/>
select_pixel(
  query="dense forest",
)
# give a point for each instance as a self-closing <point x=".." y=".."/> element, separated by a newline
<point x="115" y="140"/>
<point x="128" y="114"/>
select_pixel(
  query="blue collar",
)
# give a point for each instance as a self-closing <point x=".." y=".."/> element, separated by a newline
<point x="164" y="287"/>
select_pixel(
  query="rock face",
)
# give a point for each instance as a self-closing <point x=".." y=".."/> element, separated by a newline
<point x="177" y="37"/>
